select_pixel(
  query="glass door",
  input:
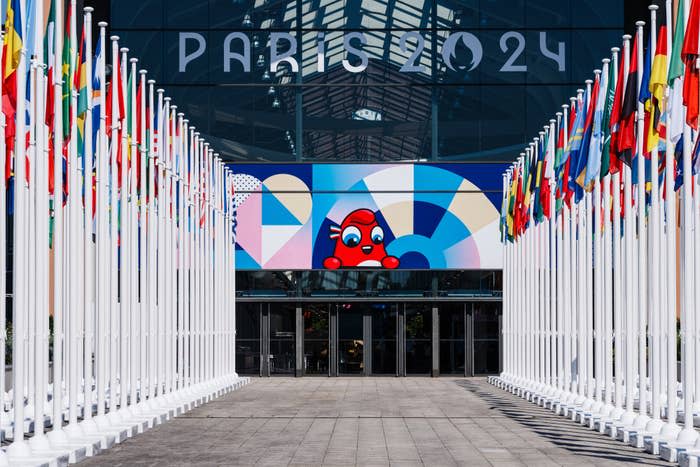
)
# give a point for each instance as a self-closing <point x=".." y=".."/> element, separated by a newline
<point x="452" y="339"/>
<point x="419" y="347"/>
<point x="282" y="343"/>
<point x="350" y="339"/>
<point x="316" y="339"/>
<point x="383" y="317"/>
<point x="248" y="338"/>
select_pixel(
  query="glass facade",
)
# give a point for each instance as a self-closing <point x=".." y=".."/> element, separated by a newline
<point x="368" y="80"/>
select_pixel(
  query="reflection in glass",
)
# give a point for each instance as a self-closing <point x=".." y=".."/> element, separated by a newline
<point x="419" y="349"/>
<point x="486" y="337"/>
<point x="282" y="338"/>
<point x="248" y="338"/>
<point x="452" y="332"/>
<point x="350" y="342"/>
<point x="383" y="338"/>
<point x="315" y="339"/>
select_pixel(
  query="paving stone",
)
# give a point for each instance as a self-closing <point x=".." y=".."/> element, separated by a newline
<point x="371" y="421"/>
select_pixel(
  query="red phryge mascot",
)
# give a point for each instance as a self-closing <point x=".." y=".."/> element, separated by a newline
<point x="359" y="242"/>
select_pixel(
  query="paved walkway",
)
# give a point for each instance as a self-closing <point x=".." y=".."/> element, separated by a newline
<point x="371" y="421"/>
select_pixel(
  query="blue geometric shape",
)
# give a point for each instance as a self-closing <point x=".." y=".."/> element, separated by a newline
<point x="426" y="217"/>
<point x="427" y="248"/>
<point x="245" y="261"/>
<point x="274" y="212"/>
<point x="449" y="231"/>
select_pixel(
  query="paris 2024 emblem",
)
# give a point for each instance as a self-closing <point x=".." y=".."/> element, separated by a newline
<point x="359" y="242"/>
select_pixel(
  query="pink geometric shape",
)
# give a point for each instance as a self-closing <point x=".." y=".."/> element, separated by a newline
<point x="463" y="254"/>
<point x="248" y="232"/>
<point x="295" y="254"/>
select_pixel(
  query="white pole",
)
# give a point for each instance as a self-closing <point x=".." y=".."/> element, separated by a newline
<point x="103" y="256"/>
<point x="89" y="260"/>
<point x="642" y="311"/>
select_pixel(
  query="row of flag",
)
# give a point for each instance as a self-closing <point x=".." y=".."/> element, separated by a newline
<point x="598" y="133"/>
<point x="122" y="224"/>
<point x="600" y="222"/>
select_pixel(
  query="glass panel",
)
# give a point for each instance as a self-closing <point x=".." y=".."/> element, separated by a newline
<point x="339" y="283"/>
<point x="486" y="357"/>
<point x="350" y="341"/>
<point x="316" y="357"/>
<point x="283" y="357"/>
<point x="452" y="357"/>
<point x="418" y="357"/>
<point x="315" y="339"/>
<point x="282" y="338"/>
<point x="248" y="356"/>
<point x="383" y="338"/>
<point x="486" y="320"/>
<point x="248" y="321"/>
<point x="468" y="283"/>
<point x="419" y="325"/>
<point x="266" y="283"/>
<point x="354" y="123"/>
<point x="452" y="321"/>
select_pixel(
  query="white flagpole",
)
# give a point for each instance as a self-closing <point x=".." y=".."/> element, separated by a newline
<point x="132" y="223"/>
<point x="641" y="310"/>
<point x="688" y="433"/>
<point x="607" y="261"/>
<point x="103" y="257"/>
<point x="114" y="311"/>
<point x="89" y="265"/>
<point x="75" y="244"/>
<point x="19" y="448"/>
<point x="654" y="303"/>
<point x="124" y="299"/>
<point x="558" y="248"/>
<point x="629" y="415"/>
<point x="57" y="436"/>
<point x="143" y="250"/>
<point x="152" y="248"/>
<point x="598" y="272"/>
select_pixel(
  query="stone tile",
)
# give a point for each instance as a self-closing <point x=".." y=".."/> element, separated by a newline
<point x="370" y="421"/>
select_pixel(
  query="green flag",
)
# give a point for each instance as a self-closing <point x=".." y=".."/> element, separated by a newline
<point x="605" y="157"/>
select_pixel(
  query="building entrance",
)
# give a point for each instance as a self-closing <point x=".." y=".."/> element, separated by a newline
<point x="362" y="338"/>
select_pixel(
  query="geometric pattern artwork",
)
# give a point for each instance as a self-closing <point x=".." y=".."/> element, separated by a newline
<point x="426" y="216"/>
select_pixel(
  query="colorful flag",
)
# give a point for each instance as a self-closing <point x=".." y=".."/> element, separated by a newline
<point x="657" y="86"/>
<point x="689" y="55"/>
<point x="595" y="150"/>
<point x="676" y="70"/>
<point x="606" y="158"/>
<point x="626" y="143"/>
<point x="12" y="47"/>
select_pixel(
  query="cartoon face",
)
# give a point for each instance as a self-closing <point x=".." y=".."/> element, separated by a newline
<point x="359" y="243"/>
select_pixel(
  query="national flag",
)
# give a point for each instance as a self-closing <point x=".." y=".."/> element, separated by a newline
<point x="49" y="55"/>
<point x="616" y="118"/>
<point x="689" y="55"/>
<point x="645" y="98"/>
<point x="97" y="80"/>
<point x="606" y="157"/>
<point x="66" y="74"/>
<point x="626" y="143"/>
<point x="595" y="149"/>
<point x="676" y="70"/>
<point x="12" y="47"/>
<point x="657" y="86"/>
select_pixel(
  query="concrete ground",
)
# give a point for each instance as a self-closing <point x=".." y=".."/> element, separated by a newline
<point x="371" y="421"/>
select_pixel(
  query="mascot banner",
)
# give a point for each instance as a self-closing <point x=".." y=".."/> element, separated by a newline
<point x="377" y="216"/>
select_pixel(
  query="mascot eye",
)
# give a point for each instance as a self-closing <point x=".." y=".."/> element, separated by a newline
<point x="351" y="236"/>
<point x="377" y="235"/>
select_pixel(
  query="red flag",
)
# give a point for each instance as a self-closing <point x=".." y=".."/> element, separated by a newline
<point x="689" y="55"/>
<point x="626" y="142"/>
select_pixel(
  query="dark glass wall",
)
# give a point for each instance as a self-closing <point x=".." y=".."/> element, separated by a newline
<point x="443" y="79"/>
